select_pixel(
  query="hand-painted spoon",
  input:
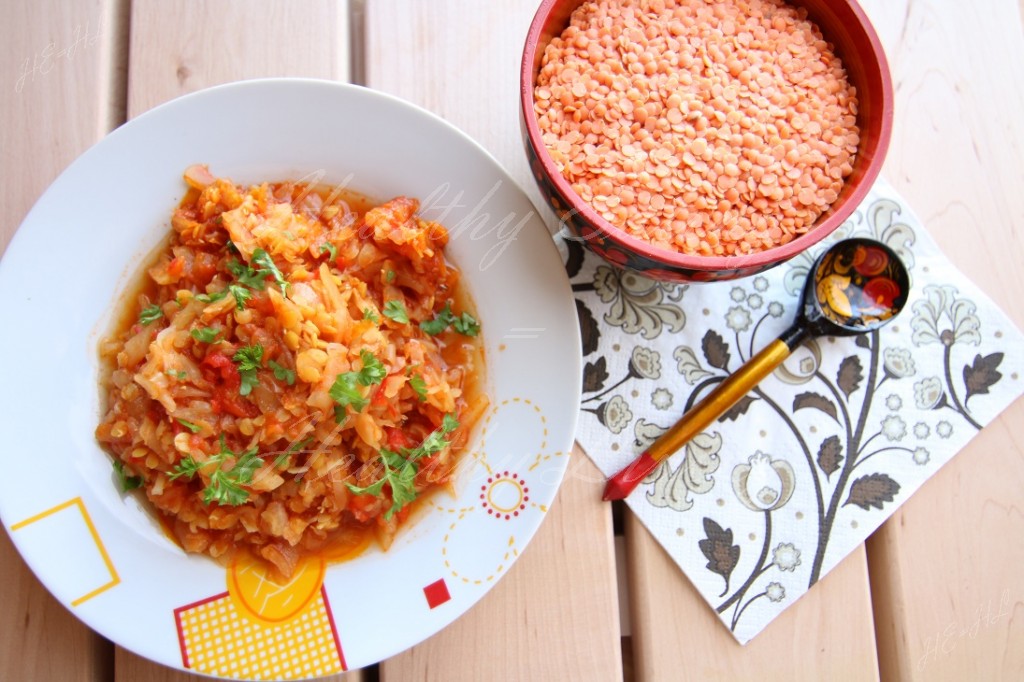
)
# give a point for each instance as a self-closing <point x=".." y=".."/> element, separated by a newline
<point x="855" y="286"/>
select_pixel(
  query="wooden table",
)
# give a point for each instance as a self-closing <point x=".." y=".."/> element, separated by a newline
<point x="937" y="593"/>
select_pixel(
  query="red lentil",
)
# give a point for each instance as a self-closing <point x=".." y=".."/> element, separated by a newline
<point x="708" y="127"/>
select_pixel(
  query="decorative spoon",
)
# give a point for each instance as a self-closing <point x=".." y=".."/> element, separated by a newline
<point x="855" y="286"/>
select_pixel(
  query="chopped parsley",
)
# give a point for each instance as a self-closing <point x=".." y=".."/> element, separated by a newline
<point x="464" y="324"/>
<point x="330" y="249"/>
<point x="178" y="374"/>
<point x="267" y="265"/>
<point x="282" y="373"/>
<point x="246" y="276"/>
<point x="225" y="485"/>
<point x="344" y="392"/>
<point x="125" y="481"/>
<point x="249" y="359"/>
<point x="255" y="278"/>
<point x="346" y="388"/>
<point x="419" y="385"/>
<point x="194" y="428"/>
<point x="151" y="313"/>
<point x="373" y="371"/>
<point x="368" y="314"/>
<point x="400" y="468"/>
<point x="395" y="310"/>
<point x="241" y="295"/>
<point x="206" y="334"/>
<point x="284" y="458"/>
<point x="389" y="276"/>
<point x="212" y="298"/>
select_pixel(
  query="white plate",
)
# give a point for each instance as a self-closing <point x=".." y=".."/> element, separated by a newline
<point x="101" y="554"/>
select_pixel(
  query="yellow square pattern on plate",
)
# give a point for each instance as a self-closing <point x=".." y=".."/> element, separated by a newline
<point x="218" y="639"/>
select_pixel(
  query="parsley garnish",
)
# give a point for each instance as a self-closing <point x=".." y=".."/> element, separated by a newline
<point x="373" y="371"/>
<point x="123" y="479"/>
<point x="345" y="390"/>
<point x="282" y="373"/>
<point x="284" y="457"/>
<point x="178" y="374"/>
<point x="419" y="385"/>
<point x="464" y="324"/>
<point x="389" y="276"/>
<point x="247" y="276"/>
<point x="206" y="334"/>
<point x="267" y="265"/>
<point x="400" y="468"/>
<point x="395" y="310"/>
<point x="368" y="314"/>
<point x="225" y="487"/>
<point x="194" y="428"/>
<point x="255" y="278"/>
<point x="151" y="313"/>
<point x="331" y="249"/>
<point x="241" y="294"/>
<point x="249" y="359"/>
<point x="212" y="298"/>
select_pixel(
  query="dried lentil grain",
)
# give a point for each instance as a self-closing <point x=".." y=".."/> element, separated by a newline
<point x="713" y="127"/>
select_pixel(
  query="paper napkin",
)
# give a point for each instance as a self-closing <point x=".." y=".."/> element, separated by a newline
<point x="772" y="496"/>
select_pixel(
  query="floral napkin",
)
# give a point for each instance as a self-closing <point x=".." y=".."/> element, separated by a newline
<point x="769" y="499"/>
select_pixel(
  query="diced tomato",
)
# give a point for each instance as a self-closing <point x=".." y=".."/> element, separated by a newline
<point x="176" y="267"/>
<point x="362" y="506"/>
<point x="396" y="438"/>
<point x="230" y="402"/>
<point x="260" y="302"/>
<point x="378" y="399"/>
<point x="431" y="471"/>
<point x="204" y="266"/>
<point x="220" y="371"/>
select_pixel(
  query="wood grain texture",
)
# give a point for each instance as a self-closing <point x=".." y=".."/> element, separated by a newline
<point x="946" y="579"/>
<point x="56" y="89"/>
<point x="554" y="616"/>
<point x="460" y="60"/>
<point x="828" y="635"/>
<point x="178" y="47"/>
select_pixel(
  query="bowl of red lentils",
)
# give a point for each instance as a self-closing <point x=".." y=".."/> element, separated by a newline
<point x="703" y="140"/>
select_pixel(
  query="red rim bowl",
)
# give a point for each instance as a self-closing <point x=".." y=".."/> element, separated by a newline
<point x="844" y="25"/>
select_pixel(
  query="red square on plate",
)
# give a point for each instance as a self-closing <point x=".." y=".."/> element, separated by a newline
<point x="436" y="593"/>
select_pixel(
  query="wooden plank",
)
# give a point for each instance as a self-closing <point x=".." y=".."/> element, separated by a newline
<point x="182" y="46"/>
<point x="945" y="569"/>
<point x="56" y="93"/>
<point x="468" y="62"/>
<point x="459" y="59"/>
<point x="828" y="635"/>
<point x="554" y="616"/>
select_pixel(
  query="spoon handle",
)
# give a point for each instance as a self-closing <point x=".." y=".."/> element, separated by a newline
<point x="699" y="417"/>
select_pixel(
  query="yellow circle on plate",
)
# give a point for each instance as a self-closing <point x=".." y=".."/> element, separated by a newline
<point x="257" y="594"/>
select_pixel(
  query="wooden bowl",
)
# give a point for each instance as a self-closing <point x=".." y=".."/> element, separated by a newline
<point x="844" y="25"/>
